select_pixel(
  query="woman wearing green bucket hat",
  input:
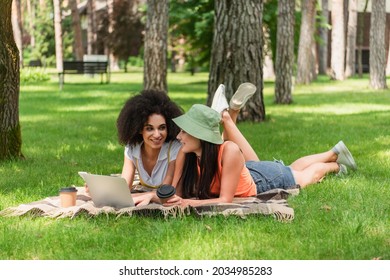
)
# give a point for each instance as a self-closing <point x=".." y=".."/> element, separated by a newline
<point x="210" y="169"/>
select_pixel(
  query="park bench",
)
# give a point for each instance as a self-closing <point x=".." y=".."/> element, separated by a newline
<point x="84" y="67"/>
<point x="35" y="63"/>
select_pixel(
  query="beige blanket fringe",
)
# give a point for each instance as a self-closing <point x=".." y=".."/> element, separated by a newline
<point x="269" y="203"/>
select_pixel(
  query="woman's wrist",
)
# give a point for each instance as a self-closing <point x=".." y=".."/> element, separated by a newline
<point x="154" y="197"/>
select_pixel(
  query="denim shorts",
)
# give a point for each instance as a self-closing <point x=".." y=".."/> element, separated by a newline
<point x="269" y="175"/>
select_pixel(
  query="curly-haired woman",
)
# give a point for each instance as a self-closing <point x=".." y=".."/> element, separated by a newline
<point x="146" y="129"/>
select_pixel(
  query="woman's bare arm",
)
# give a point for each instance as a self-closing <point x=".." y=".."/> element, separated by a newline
<point x="128" y="171"/>
<point x="232" y="164"/>
<point x="179" y="164"/>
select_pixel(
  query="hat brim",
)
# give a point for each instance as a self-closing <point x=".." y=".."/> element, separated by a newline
<point x="198" y="130"/>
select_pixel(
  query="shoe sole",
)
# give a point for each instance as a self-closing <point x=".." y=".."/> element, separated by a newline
<point x="348" y="156"/>
<point x="243" y="93"/>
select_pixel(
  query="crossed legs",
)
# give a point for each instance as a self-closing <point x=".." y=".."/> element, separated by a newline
<point x="312" y="169"/>
<point x="306" y="170"/>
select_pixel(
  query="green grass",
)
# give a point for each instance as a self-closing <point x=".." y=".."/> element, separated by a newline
<point x="73" y="130"/>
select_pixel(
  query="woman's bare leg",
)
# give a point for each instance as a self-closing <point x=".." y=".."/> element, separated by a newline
<point x="314" y="173"/>
<point x="306" y="161"/>
<point x="234" y="115"/>
<point x="232" y="133"/>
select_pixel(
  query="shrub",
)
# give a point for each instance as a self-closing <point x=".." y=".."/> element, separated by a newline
<point x="29" y="75"/>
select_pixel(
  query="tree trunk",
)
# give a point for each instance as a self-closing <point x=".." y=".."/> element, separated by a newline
<point x="10" y="133"/>
<point x="114" y="61"/>
<point x="306" y="41"/>
<point x="350" y="68"/>
<point x="338" y="41"/>
<point x="18" y="28"/>
<point x="31" y="22"/>
<point x="323" y="47"/>
<point x="314" y="64"/>
<point x="236" y="54"/>
<point x="268" y="56"/>
<point x="173" y="59"/>
<point x="285" y="52"/>
<point x="155" y="48"/>
<point x="360" y="39"/>
<point x="58" y="34"/>
<point x="42" y="4"/>
<point x="91" y="28"/>
<point x="388" y="59"/>
<point x="378" y="45"/>
<point x="78" y="41"/>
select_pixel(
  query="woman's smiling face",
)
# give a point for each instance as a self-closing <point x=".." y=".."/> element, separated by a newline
<point x="155" y="131"/>
<point x="189" y="143"/>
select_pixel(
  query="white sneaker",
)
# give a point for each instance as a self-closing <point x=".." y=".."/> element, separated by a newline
<point x="241" y="96"/>
<point x="342" y="170"/>
<point x="220" y="103"/>
<point x="344" y="155"/>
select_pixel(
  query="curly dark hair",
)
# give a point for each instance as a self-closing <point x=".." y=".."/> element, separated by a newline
<point x="136" y="111"/>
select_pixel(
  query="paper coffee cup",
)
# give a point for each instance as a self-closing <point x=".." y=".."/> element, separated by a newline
<point x="68" y="196"/>
<point x="165" y="192"/>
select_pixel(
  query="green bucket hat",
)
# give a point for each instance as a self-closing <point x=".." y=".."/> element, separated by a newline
<point x="201" y="122"/>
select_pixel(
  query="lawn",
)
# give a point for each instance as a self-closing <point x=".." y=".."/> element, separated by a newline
<point x="341" y="218"/>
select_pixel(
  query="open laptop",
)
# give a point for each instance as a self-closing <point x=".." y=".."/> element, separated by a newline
<point x="108" y="190"/>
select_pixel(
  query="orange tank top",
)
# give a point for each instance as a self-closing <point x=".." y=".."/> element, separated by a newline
<point x="246" y="187"/>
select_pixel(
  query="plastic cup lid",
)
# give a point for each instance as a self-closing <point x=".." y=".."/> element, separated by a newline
<point x="68" y="189"/>
<point x="165" y="191"/>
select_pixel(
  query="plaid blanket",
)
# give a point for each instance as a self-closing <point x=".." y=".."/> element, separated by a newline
<point x="272" y="203"/>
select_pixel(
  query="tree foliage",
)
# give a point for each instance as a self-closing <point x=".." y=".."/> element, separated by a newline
<point x="44" y="37"/>
<point x="126" y="38"/>
<point x="44" y="48"/>
<point x="193" y="20"/>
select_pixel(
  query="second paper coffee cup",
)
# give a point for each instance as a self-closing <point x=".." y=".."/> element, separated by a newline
<point x="165" y="192"/>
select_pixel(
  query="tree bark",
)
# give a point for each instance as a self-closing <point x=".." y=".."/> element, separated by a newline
<point x="350" y="68"/>
<point x="91" y="28"/>
<point x="31" y="22"/>
<point x="285" y="52"/>
<point x="378" y="45"/>
<point x="323" y="47"/>
<point x="338" y="41"/>
<point x="42" y="4"/>
<point x="58" y="34"/>
<point x="314" y="64"/>
<point x="18" y="28"/>
<point x="114" y="60"/>
<point x="236" y="54"/>
<point x="10" y="133"/>
<point x="268" y="56"/>
<point x="155" y="47"/>
<point x="306" y="41"/>
<point x="388" y="59"/>
<point x="78" y="41"/>
<point x="360" y="38"/>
